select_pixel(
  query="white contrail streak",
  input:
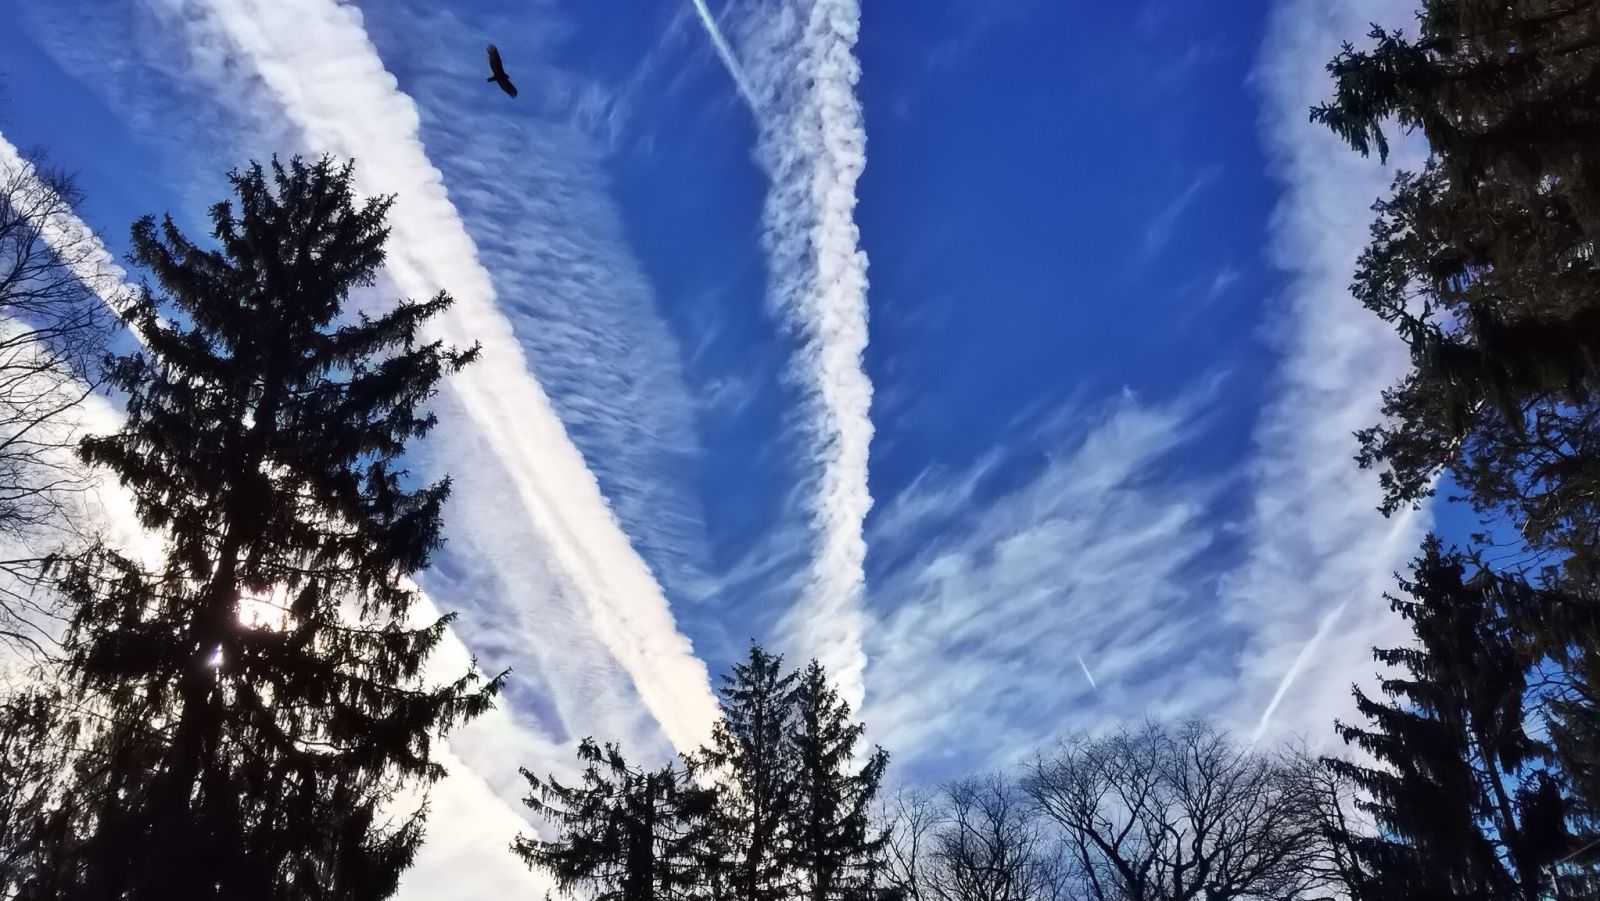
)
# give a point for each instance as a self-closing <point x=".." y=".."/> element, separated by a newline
<point x="719" y="42"/>
<point x="1086" y="674"/>
<point x="1307" y="652"/>
<point x="813" y="147"/>
<point x="69" y="237"/>
<point x="315" y="57"/>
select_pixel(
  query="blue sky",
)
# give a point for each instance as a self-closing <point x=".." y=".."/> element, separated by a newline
<point x="1088" y="262"/>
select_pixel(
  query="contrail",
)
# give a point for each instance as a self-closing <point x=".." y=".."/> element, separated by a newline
<point x="1301" y="659"/>
<point x="1086" y="674"/>
<point x="69" y="237"/>
<point x="725" y="53"/>
<point x="316" y="59"/>
<point x="1316" y="536"/>
<point x="813" y="147"/>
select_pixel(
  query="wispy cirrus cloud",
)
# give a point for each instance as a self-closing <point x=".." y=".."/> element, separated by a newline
<point x="528" y="181"/>
<point x="1221" y="281"/>
<point x="1010" y="587"/>
<point x="1319" y="553"/>
<point x="1158" y="232"/>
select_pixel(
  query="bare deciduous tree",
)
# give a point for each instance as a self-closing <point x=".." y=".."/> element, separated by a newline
<point x="1326" y="800"/>
<point x="976" y="839"/>
<point x="53" y="327"/>
<point x="910" y="816"/>
<point x="1172" y="814"/>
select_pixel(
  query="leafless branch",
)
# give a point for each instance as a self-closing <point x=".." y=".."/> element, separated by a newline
<point x="53" y="328"/>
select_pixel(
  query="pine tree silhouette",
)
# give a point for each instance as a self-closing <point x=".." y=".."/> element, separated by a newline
<point x="1462" y="799"/>
<point x="262" y="690"/>
<point x="832" y="843"/>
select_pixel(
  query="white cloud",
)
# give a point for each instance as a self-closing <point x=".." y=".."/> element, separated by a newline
<point x="467" y="855"/>
<point x="802" y="68"/>
<point x="1221" y="282"/>
<point x="1317" y="543"/>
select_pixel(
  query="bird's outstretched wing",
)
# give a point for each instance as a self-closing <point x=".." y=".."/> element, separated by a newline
<point x="498" y="69"/>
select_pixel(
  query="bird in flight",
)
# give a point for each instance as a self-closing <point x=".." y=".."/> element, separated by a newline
<point x="499" y="77"/>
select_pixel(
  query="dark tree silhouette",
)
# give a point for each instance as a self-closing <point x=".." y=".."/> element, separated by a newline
<point x="625" y="834"/>
<point x="974" y="839"/>
<point x="1464" y="805"/>
<point x="1160" y="813"/>
<point x="1568" y="693"/>
<point x="260" y="694"/>
<point x="749" y="761"/>
<point x="1484" y="261"/>
<point x="832" y="844"/>
<point x="1327" y="804"/>
<point x="37" y="739"/>
<point x="776" y="806"/>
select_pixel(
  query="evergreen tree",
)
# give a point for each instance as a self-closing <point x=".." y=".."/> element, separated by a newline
<point x="833" y="845"/>
<point x="749" y="760"/>
<point x="1570" y="696"/>
<point x="773" y="809"/>
<point x="625" y="834"/>
<point x="262" y="689"/>
<point x="1461" y="796"/>
<point x="36" y="739"/>
<point x="1484" y="261"/>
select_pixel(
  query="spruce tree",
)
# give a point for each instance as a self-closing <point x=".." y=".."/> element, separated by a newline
<point x="1484" y="261"/>
<point x="262" y="687"/>
<point x="625" y="834"/>
<point x="1461" y="794"/>
<point x="749" y="761"/>
<point x="833" y="844"/>
<point x="1570" y="697"/>
<point x="37" y="734"/>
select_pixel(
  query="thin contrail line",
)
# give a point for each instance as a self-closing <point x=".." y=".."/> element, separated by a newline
<point x="1299" y="663"/>
<point x="1086" y="674"/>
<point x="725" y="53"/>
